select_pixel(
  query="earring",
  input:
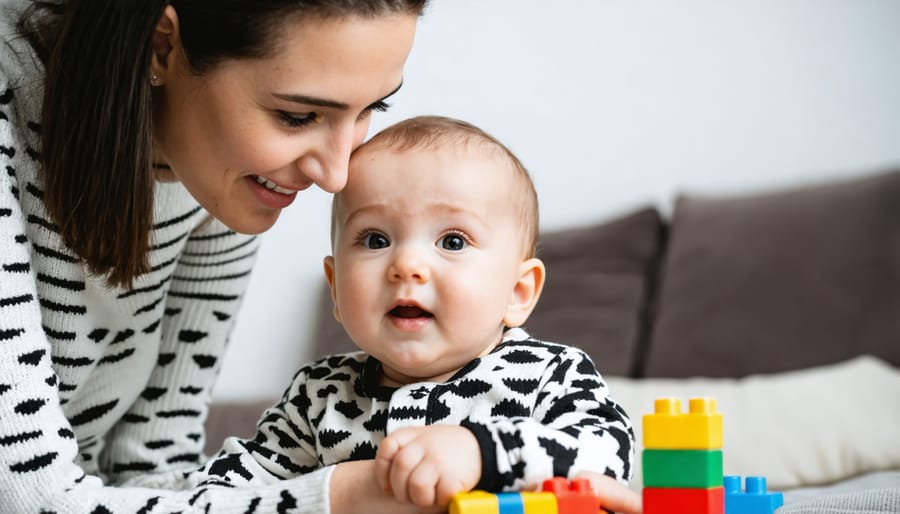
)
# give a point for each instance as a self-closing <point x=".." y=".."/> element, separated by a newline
<point x="154" y="79"/>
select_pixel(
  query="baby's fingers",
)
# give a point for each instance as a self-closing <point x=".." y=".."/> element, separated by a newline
<point x="402" y="466"/>
<point x="422" y="485"/>
<point x="383" y="459"/>
<point x="613" y="495"/>
<point x="445" y="489"/>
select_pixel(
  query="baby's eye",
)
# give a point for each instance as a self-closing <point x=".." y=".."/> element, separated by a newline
<point x="375" y="241"/>
<point x="452" y="242"/>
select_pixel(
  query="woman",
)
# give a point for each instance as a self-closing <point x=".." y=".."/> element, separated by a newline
<point x="144" y="144"/>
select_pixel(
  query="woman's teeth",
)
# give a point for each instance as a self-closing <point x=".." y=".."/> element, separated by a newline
<point x="271" y="186"/>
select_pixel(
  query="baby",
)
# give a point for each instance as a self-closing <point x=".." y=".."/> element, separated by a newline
<point x="433" y="274"/>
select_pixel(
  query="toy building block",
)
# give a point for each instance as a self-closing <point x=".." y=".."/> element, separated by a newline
<point x="682" y="468"/>
<point x="510" y="503"/>
<point x="474" y="502"/>
<point x="574" y="496"/>
<point x="753" y="500"/>
<point x="670" y="429"/>
<point x="676" y="500"/>
<point x="540" y="503"/>
<point x="557" y="496"/>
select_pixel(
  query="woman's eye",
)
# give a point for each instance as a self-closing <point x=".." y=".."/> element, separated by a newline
<point x="375" y="241"/>
<point x="294" y="120"/>
<point x="453" y="242"/>
<point x="379" y="106"/>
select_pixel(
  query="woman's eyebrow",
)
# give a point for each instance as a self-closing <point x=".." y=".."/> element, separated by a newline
<point x="324" y="102"/>
<point x="312" y="100"/>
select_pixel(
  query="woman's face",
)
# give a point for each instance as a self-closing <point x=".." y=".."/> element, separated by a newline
<point x="250" y="134"/>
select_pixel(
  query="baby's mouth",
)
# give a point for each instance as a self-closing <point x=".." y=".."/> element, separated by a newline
<point x="409" y="312"/>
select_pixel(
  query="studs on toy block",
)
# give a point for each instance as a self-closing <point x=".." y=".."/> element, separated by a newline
<point x="754" y="499"/>
<point x="572" y="497"/>
<point x="671" y="429"/>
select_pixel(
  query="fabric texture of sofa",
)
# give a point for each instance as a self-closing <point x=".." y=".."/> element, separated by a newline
<point x="783" y="305"/>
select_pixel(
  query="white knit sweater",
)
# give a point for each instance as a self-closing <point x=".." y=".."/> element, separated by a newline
<point x="99" y="385"/>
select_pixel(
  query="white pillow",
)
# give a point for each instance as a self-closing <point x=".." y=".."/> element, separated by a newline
<point x="797" y="428"/>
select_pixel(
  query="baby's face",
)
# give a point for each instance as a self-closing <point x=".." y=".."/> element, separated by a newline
<point x="427" y="253"/>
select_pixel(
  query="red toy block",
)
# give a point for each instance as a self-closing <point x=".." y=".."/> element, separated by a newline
<point x="673" y="500"/>
<point x="573" y="497"/>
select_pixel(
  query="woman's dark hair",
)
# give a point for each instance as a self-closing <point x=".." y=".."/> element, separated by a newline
<point x="96" y="129"/>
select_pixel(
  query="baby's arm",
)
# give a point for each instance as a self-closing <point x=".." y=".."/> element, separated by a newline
<point x="428" y="465"/>
<point x="574" y="427"/>
<point x="283" y="447"/>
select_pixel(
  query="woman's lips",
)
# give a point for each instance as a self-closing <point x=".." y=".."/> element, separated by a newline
<point x="272" y="186"/>
<point x="272" y="197"/>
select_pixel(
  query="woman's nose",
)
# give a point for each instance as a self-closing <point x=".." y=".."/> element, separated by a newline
<point x="326" y="165"/>
<point x="408" y="264"/>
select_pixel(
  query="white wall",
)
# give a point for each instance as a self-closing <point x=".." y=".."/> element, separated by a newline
<point x="613" y="104"/>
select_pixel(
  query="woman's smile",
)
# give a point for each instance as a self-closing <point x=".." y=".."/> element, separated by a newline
<point x="271" y="194"/>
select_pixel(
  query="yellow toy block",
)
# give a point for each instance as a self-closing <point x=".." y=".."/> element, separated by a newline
<point x="670" y="429"/>
<point x="474" y="502"/>
<point x="539" y="503"/>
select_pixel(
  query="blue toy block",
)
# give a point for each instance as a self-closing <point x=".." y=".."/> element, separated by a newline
<point x="754" y="499"/>
<point x="510" y="503"/>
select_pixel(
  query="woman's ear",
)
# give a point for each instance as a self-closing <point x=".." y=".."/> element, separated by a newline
<point x="166" y="39"/>
<point x="329" y="276"/>
<point x="525" y="293"/>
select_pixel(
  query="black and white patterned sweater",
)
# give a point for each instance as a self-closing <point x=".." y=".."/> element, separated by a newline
<point x="100" y="385"/>
<point x="537" y="409"/>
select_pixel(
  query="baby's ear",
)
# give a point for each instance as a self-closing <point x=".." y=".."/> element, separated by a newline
<point x="329" y="276"/>
<point x="525" y="293"/>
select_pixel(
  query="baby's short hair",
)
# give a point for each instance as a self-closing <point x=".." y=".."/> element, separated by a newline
<point x="431" y="131"/>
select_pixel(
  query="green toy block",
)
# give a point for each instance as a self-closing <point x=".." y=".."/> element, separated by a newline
<point x="682" y="468"/>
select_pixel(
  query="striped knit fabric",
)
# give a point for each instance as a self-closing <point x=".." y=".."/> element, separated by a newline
<point x="97" y="384"/>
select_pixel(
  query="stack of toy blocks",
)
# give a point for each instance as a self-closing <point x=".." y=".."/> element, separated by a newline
<point x="557" y="496"/>
<point x="754" y="499"/>
<point x="682" y="458"/>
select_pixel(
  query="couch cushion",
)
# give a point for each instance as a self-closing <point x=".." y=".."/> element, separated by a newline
<point x="329" y="337"/>
<point x="780" y="281"/>
<point x="797" y="428"/>
<point x="598" y="279"/>
<point x="235" y="418"/>
<point x="595" y="294"/>
<point x="865" y="501"/>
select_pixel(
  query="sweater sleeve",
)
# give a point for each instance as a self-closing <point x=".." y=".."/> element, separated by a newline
<point x="39" y="454"/>
<point x="283" y="448"/>
<point x="575" y="426"/>
<point x="163" y="430"/>
<point x="38" y="451"/>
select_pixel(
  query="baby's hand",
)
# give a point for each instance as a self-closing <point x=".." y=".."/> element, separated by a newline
<point x="614" y="497"/>
<point x="428" y="465"/>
